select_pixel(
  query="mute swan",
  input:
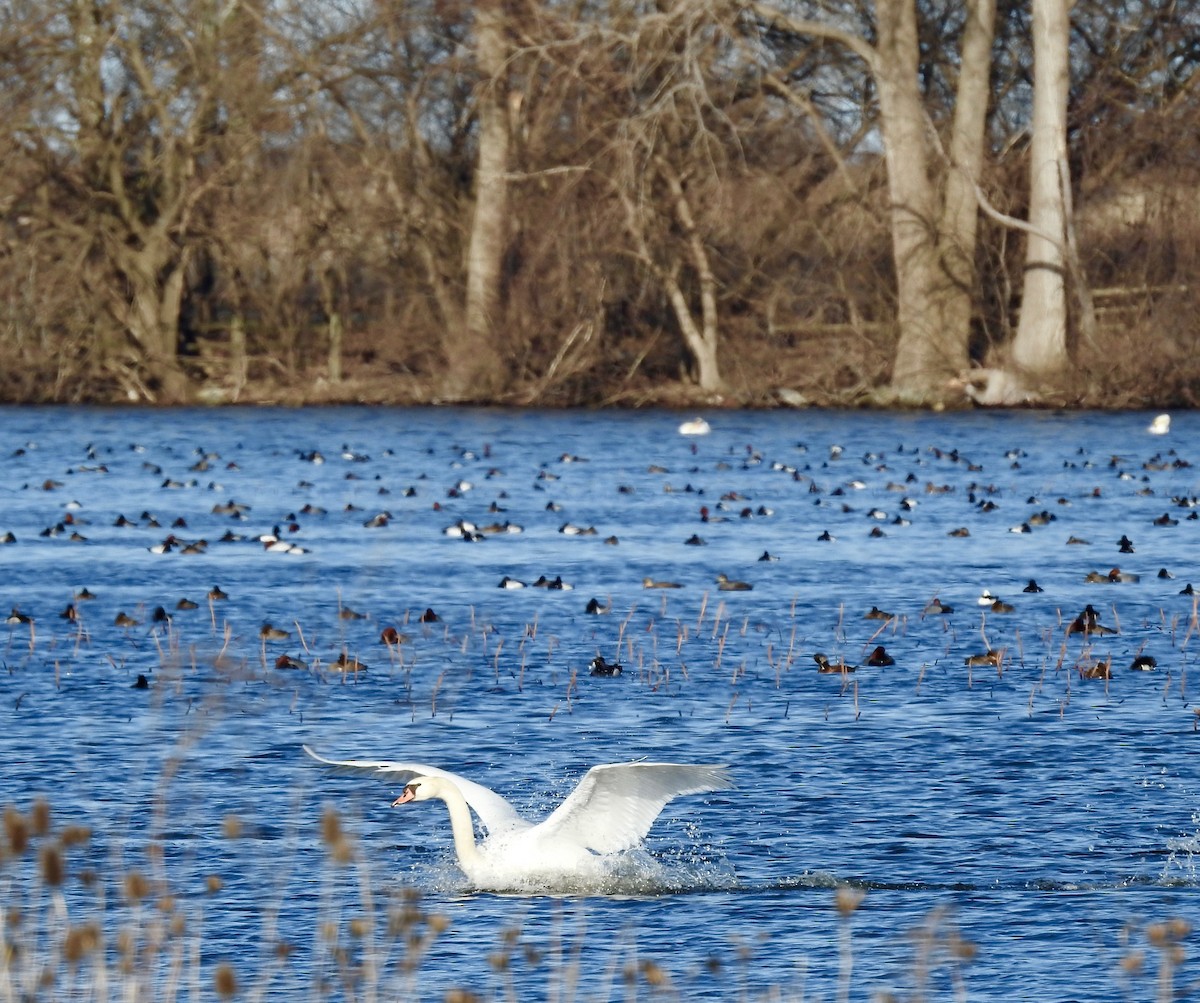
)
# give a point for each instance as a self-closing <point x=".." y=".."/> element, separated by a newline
<point x="610" y="811"/>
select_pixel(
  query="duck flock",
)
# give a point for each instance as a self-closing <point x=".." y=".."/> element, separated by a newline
<point x="328" y="558"/>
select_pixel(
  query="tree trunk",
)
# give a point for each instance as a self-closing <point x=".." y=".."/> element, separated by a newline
<point x="1040" y="346"/>
<point x="926" y="355"/>
<point x="151" y="316"/>
<point x="475" y="366"/>
<point x="701" y="341"/>
<point x="960" y="210"/>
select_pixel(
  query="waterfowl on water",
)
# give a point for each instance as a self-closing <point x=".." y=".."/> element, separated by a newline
<point x="595" y="608"/>
<point x="1098" y="670"/>
<point x="1033" y="587"/>
<point x="610" y="811"/>
<point x="1088" y="622"/>
<point x="1161" y="425"/>
<point x="935" y="607"/>
<point x="695" y="426"/>
<point x="651" y="583"/>
<point x="875" y="613"/>
<point x="880" y="657"/>
<point x="726" y="584"/>
<point x="270" y="633"/>
<point x="1144" y="663"/>
<point x="599" y="667"/>
<point x="510" y="583"/>
<point x="992" y="656"/>
<point x="824" y="665"/>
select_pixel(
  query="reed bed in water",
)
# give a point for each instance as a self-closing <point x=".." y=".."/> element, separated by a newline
<point x="69" y="930"/>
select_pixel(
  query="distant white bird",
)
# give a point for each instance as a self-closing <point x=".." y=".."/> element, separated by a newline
<point x="696" y="426"/>
<point x="611" y="810"/>
<point x="1161" y="425"/>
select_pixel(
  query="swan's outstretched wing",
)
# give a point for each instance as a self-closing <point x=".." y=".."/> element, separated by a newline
<point x="496" y="814"/>
<point x="614" y="806"/>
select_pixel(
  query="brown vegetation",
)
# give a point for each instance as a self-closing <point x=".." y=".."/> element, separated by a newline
<point x="542" y="205"/>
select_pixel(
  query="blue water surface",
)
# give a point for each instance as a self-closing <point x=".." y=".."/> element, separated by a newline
<point x="1003" y="832"/>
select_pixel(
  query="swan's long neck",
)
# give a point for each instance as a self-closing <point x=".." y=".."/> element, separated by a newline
<point x="469" y="857"/>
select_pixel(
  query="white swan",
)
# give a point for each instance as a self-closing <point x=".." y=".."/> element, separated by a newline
<point x="695" y="426"/>
<point x="610" y="811"/>
<point x="1161" y="425"/>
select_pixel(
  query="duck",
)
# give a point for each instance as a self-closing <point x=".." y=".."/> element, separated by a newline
<point x="992" y="656"/>
<point x="824" y="665"/>
<point x="935" y="607"/>
<point x="609" y="812"/>
<point x="1033" y="586"/>
<point x="875" y="613"/>
<point x="1098" y="670"/>
<point x="123" y="619"/>
<point x="880" y="657"/>
<point x="1088" y="622"/>
<point x="217" y="594"/>
<point x="347" y="663"/>
<point x="288" y="662"/>
<point x="599" y="667"/>
<point x="652" y="583"/>
<point x="271" y="633"/>
<point x="510" y="583"/>
<point x="1144" y="663"/>
<point x="390" y="635"/>
<point x="596" y="608"/>
<point x="726" y="584"/>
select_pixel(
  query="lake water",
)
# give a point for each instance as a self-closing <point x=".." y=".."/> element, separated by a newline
<point x="1015" y="831"/>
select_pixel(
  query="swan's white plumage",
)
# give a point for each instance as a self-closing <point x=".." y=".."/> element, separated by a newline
<point x="611" y="810"/>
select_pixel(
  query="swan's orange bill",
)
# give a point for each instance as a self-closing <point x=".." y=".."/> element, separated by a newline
<point x="408" y="795"/>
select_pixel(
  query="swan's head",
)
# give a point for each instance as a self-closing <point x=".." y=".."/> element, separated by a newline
<point x="419" y="789"/>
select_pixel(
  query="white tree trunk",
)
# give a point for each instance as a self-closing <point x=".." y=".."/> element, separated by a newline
<point x="474" y="361"/>
<point x="1040" y="346"/>
<point x="920" y="366"/>
<point x="960" y="210"/>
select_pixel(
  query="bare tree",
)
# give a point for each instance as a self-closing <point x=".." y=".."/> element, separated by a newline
<point x="1040" y="345"/>
<point x="933" y="224"/>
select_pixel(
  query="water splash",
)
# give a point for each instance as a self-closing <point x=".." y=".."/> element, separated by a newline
<point x="1183" y="852"/>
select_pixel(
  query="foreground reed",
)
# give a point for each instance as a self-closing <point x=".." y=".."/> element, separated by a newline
<point x="72" y="930"/>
